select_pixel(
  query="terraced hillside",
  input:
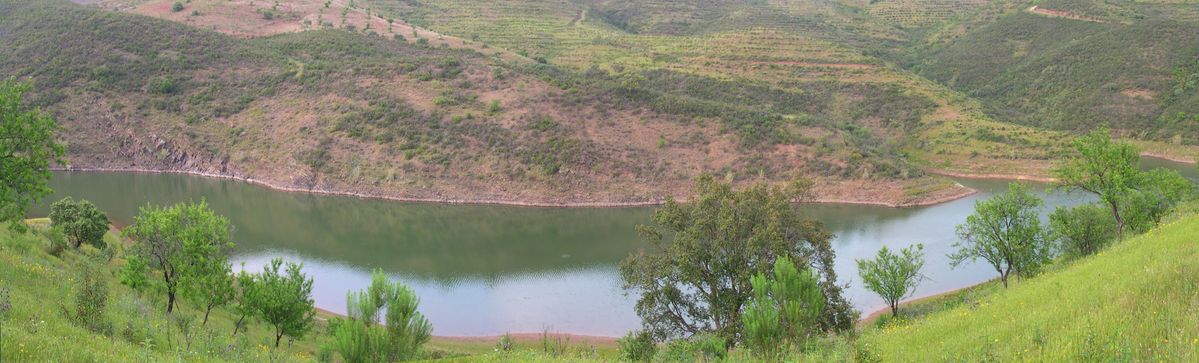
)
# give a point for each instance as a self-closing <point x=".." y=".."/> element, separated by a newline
<point x="582" y="102"/>
<point x="1072" y="65"/>
<point x="332" y="110"/>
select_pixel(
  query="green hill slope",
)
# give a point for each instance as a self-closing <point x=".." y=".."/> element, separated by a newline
<point x="1137" y="301"/>
<point x="1074" y="65"/>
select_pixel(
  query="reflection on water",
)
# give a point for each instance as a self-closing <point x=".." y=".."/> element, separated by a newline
<point x="486" y="270"/>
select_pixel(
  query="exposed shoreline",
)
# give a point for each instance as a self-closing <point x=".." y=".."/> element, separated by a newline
<point x="965" y="192"/>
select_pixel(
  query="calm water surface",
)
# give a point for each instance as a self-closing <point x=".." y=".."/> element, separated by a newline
<point x="486" y="270"/>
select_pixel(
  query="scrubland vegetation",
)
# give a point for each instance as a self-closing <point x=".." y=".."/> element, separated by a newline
<point x="619" y="94"/>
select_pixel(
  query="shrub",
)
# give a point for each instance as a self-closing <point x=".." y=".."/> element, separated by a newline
<point x="1082" y="230"/>
<point x="362" y="339"/>
<point x="56" y="241"/>
<point x="505" y="343"/>
<point x="177" y="7"/>
<point x="784" y="308"/>
<point x="80" y="221"/>
<point x="91" y="298"/>
<point x="638" y="346"/>
<point x="133" y="274"/>
<point x="698" y="348"/>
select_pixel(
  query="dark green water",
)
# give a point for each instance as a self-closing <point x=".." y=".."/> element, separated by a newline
<point x="486" y="270"/>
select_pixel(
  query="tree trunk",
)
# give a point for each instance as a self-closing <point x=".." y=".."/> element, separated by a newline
<point x="895" y="309"/>
<point x="1119" y="223"/>
<point x="170" y="300"/>
<point x="237" y="325"/>
<point x="278" y="336"/>
<point x="206" y="311"/>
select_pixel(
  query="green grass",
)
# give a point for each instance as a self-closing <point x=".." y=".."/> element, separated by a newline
<point x="1136" y="301"/>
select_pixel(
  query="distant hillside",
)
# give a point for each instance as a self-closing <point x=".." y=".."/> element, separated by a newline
<point x="333" y="110"/>
<point x="1075" y="65"/>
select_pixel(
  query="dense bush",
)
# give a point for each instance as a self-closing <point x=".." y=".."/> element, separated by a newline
<point x="638" y="346"/>
<point x="80" y="221"/>
<point x="1082" y="230"/>
<point x="361" y="338"/>
<point x="784" y="310"/>
<point x="91" y="299"/>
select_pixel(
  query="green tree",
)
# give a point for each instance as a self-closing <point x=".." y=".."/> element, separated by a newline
<point x="1006" y="232"/>
<point x="284" y="300"/>
<point x="1102" y="167"/>
<point x="133" y="274"/>
<point x="244" y="298"/>
<point x="1082" y="230"/>
<point x="699" y="280"/>
<point x="1154" y="194"/>
<point x="893" y="276"/>
<point x="208" y="282"/>
<point x="80" y="221"/>
<point x="27" y="147"/>
<point x="361" y="339"/>
<point x="785" y="308"/>
<point x="177" y="239"/>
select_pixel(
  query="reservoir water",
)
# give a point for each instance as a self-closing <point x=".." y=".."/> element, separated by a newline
<point x="487" y="270"/>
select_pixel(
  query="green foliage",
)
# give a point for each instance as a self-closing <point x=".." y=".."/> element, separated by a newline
<point x="638" y="346"/>
<point x="208" y="281"/>
<point x="29" y="146"/>
<point x="699" y="280"/>
<point x="703" y="347"/>
<point x="181" y="241"/>
<point x="1102" y="167"/>
<point x="56" y="241"/>
<point x="892" y="276"/>
<point x="91" y="299"/>
<point x="361" y="339"/>
<point x="245" y="299"/>
<point x="80" y="221"/>
<point x="1005" y="231"/>
<point x="284" y="300"/>
<point x="1081" y="231"/>
<point x="133" y="274"/>
<point x="1155" y="193"/>
<point x="177" y="7"/>
<point x="783" y="311"/>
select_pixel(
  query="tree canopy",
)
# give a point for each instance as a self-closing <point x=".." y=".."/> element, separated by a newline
<point x="27" y="147"/>
<point x="284" y="300"/>
<point x="1006" y="232"/>
<point x="893" y="276"/>
<point x="179" y="241"/>
<point x="702" y="254"/>
<point x="80" y="221"/>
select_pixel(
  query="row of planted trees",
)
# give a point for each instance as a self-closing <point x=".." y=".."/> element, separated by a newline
<point x="745" y="268"/>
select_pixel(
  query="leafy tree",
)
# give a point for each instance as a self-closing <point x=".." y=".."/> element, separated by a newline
<point x="133" y="274"/>
<point x="1104" y="168"/>
<point x="784" y="308"/>
<point x="1155" y="193"/>
<point x="893" y="276"/>
<point x="699" y="280"/>
<point x="244" y="298"/>
<point x="1006" y="232"/>
<point x="1082" y="230"/>
<point x="361" y="339"/>
<point x="179" y="240"/>
<point x="284" y="300"/>
<point x="208" y="282"/>
<point x="80" y="221"/>
<point x="27" y="147"/>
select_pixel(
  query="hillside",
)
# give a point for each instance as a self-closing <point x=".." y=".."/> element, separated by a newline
<point x="1072" y="65"/>
<point x="329" y="110"/>
<point x="1132" y="302"/>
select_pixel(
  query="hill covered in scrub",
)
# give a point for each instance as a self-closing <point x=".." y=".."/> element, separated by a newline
<point x="601" y="102"/>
